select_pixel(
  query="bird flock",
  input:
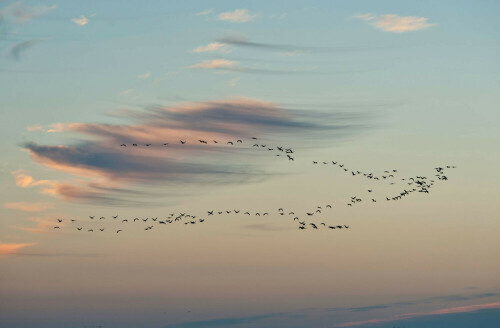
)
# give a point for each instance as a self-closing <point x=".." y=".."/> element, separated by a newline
<point x="280" y="151"/>
<point x="303" y="221"/>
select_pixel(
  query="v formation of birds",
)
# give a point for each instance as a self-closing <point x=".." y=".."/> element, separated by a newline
<point x="420" y="184"/>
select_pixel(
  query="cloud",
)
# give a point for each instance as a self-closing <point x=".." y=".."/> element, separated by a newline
<point x="232" y="66"/>
<point x="224" y="322"/>
<point x="395" y="23"/>
<point x="215" y="63"/>
<point x="34" y="128"/>
<point x="43" y="224"/>
<point x="460" y="309"/>
<point x="25" y="181"/>
<point x="237" y="16"/>
<point x="28" y="207"/>
<point x="12" y="248"/>
<point x="19" y="13"/>
<point x="212" y="47"/>
<point x="205" y="12"/>
<point x="144" y="76"/>
<point x="101" y="169"/>
<point x="287" y="49"/>
<point x="21" y="47"/>
<point x="233" y="82"/>
<point x="80" y="21"/>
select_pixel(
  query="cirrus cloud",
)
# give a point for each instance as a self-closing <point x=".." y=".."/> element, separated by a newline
<point x="12" y="248"/>
<point x="104" y="172"/>
<point x="396" y="24"/>
<point x="237" y="16"/>
<point x="28" y="207"/>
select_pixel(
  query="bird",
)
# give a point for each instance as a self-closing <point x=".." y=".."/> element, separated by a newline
<point x="59" y="220"/>
<point x="182" y="142"/>
<point x="115" y="216"/>
<point x="230" y="143"/>
<point x="123" y="145"/>
<point x="79" y="229"/>
<point x="91" y="216"/>
<point x="117" y="231"/>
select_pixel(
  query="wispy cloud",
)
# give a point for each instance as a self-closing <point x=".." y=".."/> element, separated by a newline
<point x="213" y="47"/>
<point x="106" y="168"/>
<point x="395" y="23"/>
<point x="20" y="48"/>
<point x="460" y="309"/>
<point x="42" y="224"/>
<point x="82" y="20"/>
<point x="144" y="76"/>
<point x="237" y="16"/>
<point x="215" y="64"/>
<point x="288" y="49"/>
<point x="28" y="207"/>
<point x="205" y="12"/>
<point x="233" y="66"/>
<point x="12" y="248"/>
<point x="25" y="181"/>
<point x="225" y="322"/>
<point x="19" y="13"/>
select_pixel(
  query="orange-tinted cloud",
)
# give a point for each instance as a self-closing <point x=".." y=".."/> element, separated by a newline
<point x="28" y="207"/>
<point x="25" y="181"/>
<point x="106" y="166"/>
<point x="12" y="248"/>
<point x="395" y="23"/>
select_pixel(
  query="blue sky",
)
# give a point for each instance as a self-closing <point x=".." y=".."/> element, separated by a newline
<point x="371" y="84"/>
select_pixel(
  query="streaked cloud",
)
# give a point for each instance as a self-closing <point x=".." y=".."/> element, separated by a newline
<point x="28" y="207"/>
<point x="213" y="47"/>
<point x="395" y="23"/>
<point x="205" y="12"/>
<point x="102" y="170"/>
<point x="237" y="16"/>
<point x="82" y="20"/>
<point x="144" y="76"/>
<point x="25" y="181"/>
<point x="215" y="64"/>
<point x="42" y="224"/>
<point x="12" y="248"/>
<point x="233" y="66"/>
<point x="460" y="309"/>
<point x="225" y="322"/>
<point x="20" y="48"/>
<point x="19" y="13"/>
<point x="35" y="128"/>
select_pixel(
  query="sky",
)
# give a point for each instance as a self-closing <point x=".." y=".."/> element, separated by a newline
<point x="395" y="86"/>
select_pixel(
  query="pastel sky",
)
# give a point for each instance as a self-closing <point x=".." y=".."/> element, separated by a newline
<point x="375" y="85"/>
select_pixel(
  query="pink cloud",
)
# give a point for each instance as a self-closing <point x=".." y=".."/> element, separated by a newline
<point x="395" y="23"/>
<point x="460" y="309"/>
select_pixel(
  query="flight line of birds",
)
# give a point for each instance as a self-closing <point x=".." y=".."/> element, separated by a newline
<point x="421" y="184"/>
<point x="282" y="151"/>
